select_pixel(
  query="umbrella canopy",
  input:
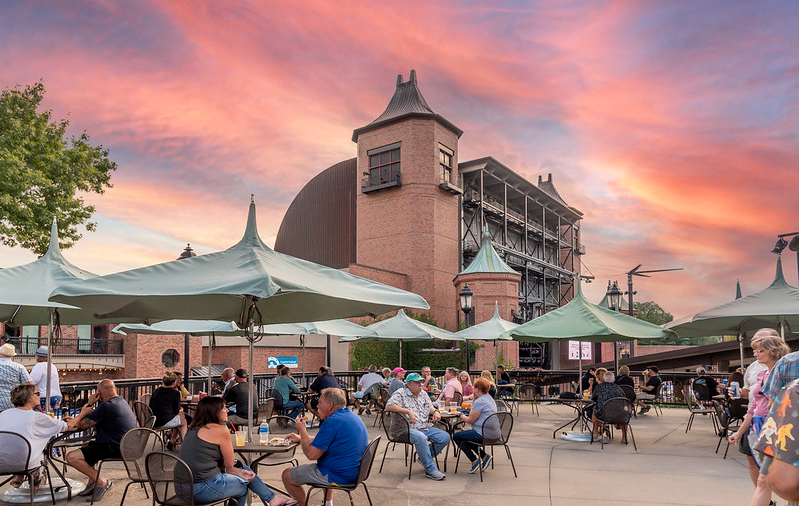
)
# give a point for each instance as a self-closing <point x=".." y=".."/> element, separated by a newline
<point x="581" y="320"/>
<point x="332" y="327"/>
<point x="195" y="327"/>
<point x="247" y="280"/>
<point x="489" y="330"/>
<point x="25" y="289"/>
<point x="404" y="328"/>
<point x="773" y="306"/>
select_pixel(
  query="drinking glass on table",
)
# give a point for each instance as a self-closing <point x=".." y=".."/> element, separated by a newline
<point x="241" y="437"/>
<point x="453" y="407"/>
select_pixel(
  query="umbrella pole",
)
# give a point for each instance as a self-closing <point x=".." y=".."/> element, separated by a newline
<point x="250" y="390"/>
<point x="302" y="351"/>
<point x="741" y="349"/>
<point x="211" y="340"/>
<point x="400" y="352"/>
<point x="616" y="357"/>
<point x="49" y="359"/>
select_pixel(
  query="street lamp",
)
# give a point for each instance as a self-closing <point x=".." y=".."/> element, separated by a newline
<point x="466" y="306"/>
<point x="793" y="245"/>
<point x="186" y="253"/>
<point x="614" y="296"/>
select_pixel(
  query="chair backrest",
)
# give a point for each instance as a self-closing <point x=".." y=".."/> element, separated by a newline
<point x="616" y="410"/>
<point x="457" y="398"/>
<point x="170" y="479"/>
<point x="142" y="412"/>
<point x="367" y="459"/>
<point x="383" y="396"/>
<point x="737" y="409"/>
<point x="396" y="427"/>
<point x="281" y="425"/>
<point x="691" y="401"/>
<point x="135" y="445"/>
<point x="701" y="391"/>
<point x="502" y="406"/>
<point x="265" y="410"/>
<point x="505" y="421"/>
<point x="12" y="447"/>
<point x="145" y="398"/>
<point x="150" y="423"/>
<point x="721" y="416"/>
<point x="529" y="392"/>
<point x="629" y="392"/>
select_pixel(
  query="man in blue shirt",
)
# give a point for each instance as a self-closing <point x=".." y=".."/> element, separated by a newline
<point x="337" y="448"/>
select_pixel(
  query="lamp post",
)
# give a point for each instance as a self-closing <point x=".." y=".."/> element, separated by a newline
<point x="614" y="303"/>
<point x="466" y="306"/>
<point x="187" y="253"/>
<point x="793" y="246"/>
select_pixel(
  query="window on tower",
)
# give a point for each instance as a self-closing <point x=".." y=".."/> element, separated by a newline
<point x="384" y="168"/>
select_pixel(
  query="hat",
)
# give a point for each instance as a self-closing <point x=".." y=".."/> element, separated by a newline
<point x="653" y="368"/>
<point x="398" y="370"/>
<point x="700" y="370"/>
<point x="7" y="350"/>
<point x="241" y="373"/>
<point x="414" y="376"/>
<point x="42" y="351"/>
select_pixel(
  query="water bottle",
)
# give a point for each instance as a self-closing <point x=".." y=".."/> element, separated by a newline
<point x="263" y="431"/>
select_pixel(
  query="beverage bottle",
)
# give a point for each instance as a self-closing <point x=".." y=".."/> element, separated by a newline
<point x="735" y="390"/>
<point x="263" y="431"/>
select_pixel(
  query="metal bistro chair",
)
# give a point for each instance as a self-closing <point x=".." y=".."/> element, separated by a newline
<point x="505" y="420"/>
<point x="265" y="410"/>
<point x="145" y="398"/>
<point x="401" y="436"/>
<point x="56" y="451"/>
<point x="529" y="393"/>
<point x="629" y="393"/>
<point x="172" y="481"/>
<point x="616" y="411"/>
<point x="12" y="447"/>
<point x="729" y="422"/>
<point x="380" y="405"/>
<point x="142" y="412"/>
<point x="696" y="409"/>
<point x="135" y="446"/>
<point x="365" y="468"/>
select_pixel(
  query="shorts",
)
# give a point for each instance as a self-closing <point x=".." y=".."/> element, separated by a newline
<point x="94" y="452"/>
<point x="743" y="445"/>
<point x="309" y="474"/>
<point x="358" y="394"/>
<point x="174" y="423"/>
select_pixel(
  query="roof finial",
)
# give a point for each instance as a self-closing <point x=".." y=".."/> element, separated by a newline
<point x="413" y="77"/>
<point x="399" y="80"/>
<point x="549" y="177"/>
<point x="252" y="198"/>
<point x="540" y="179"/>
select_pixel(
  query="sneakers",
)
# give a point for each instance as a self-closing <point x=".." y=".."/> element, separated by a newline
<point x="644" y="410"/>
<point x="88" y="490"/>
<point x="435" y="475"/>
<point x="487" y="461"/>
<point x="99" y="492"/>
<point x="475" y="466"/>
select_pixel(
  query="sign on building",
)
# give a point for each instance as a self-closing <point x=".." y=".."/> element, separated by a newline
<point x="290" y="362"/>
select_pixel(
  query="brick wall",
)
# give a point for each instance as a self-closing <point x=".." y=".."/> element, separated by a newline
<point x="237" y="357"/>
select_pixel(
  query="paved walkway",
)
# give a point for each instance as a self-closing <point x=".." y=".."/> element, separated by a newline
<point x="670" y="468"/>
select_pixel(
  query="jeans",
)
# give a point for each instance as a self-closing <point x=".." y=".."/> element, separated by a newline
<point x="296" y="405"/>
<point x="229" y="485"/>
<point x="419" y="439"/>
<point x="464" y="440"/>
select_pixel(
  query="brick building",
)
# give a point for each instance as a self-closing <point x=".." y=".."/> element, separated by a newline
<point x="405" y="211"/>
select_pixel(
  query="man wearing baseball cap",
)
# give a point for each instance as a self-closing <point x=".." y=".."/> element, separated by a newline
<point x="398" y="381"/>
<point x="415" y="405"/>
<point x="650" y="390"/>
<point x="11" y="375"/>
<point x="39" y="378"/>
<point x="238" y="394"/>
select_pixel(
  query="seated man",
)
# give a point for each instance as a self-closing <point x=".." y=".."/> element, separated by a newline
<point x="365" y="389"/>
<point x="324" y="380"/>
<point x="165" y="403"/>
<point x="650" y="390"/>
<point x="453" y="385"/>
<point x="112" y="418"/>
<point x="238" y="394"/>
<point x="416" y="406"/>
<point x="703" y="379"/>
<point x="284" y="386"/>
<point x="337" y="448"/>
<point x="34" y="426"/>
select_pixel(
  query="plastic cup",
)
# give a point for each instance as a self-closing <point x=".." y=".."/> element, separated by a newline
<point x="453" y="407"/>
<point x="241" y="437"/>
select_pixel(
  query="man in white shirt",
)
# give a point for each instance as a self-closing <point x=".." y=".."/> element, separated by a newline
<point x="367" y="381"/>
<point x="39" y="378"/>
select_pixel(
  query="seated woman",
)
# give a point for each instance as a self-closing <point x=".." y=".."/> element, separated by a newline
<point x="165" y="403"/>
<point x="605" y="389"/>
<point x="34" y="426"/>
<point x="208" y="451"/>
<point x="482" y="407"/>
<point x="624" y="377"/>
<point x="492" y="389"/>
<point x="466" y="385"/>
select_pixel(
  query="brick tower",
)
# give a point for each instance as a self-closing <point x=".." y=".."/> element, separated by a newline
<point x="408" y="206"/>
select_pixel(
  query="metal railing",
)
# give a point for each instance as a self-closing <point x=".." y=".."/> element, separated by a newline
<point x="67" y="346"/>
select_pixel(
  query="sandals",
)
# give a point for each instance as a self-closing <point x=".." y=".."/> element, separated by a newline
<point x="285" y="502"/>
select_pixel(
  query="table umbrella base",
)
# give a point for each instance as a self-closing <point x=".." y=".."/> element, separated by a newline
<point x="22" y="494"/>
<point x="577" y="436"/>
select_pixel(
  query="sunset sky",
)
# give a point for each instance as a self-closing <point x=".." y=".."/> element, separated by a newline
<point x="672" y="125"/>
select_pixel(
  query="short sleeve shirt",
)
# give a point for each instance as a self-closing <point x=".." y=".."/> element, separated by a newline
<point x="343" y="438"/>
<point x="322" y="382"/>
<point x="758" y="401"/>
<point x="785" y="370"/>
<point x="779" y="436"/>
<point x="603" y="392"/>
<point x="11" y="375"/>
<point x="420" y="405"/>
<point x="487" y="407"/>
<point x="452" y="386"/>
<point x="654" y="381"/>
<point x="113" y="418"/>
<point x="368" y="380"/>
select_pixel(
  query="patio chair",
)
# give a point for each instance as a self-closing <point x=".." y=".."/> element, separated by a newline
<point x="135" y="446"/>
<point x="629" y="393"/>
<point x="400" y="435"/>
<point x="503" y="406"/>
<point x="616" y="411"/>
<point x="265" y="410"/>
<point x="657" y="401"/>
<point x="364" y="469"/>
<point x="13" y="447"/>
<point x="702" y="394"/>
<point x="505" y="420"/>
<point x="172" y="481"/>
<point x="696" y="409"/>
<point x="729" y="420"/>
<point x="142" y="411"/>
<point x="145" y="398"/>
<point x="380" y="405"/>
<point x="529" y="393"/>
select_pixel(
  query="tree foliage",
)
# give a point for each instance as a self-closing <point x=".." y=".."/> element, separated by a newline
<point x="44" y="173"/>
<point x="386" y="353"/>
<point x="652" y="312"/>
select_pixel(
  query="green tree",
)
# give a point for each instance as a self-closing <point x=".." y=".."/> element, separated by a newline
<point x="652" y="312"/>
<point x="44" y="173"/>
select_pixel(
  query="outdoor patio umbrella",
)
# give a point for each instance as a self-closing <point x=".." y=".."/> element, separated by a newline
<point x="210" y="328"/>
<point x="580" y="320"/>
<point x="489" y="330"/>
<point x="404" y="328"/>
<point x="24" y="293"/>
<point x="248" y="283"/>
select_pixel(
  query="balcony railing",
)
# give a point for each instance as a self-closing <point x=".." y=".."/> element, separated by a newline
<point x="380" y="180"/>
<point x="89" y="346"/>
<point x="449" y="181"/>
